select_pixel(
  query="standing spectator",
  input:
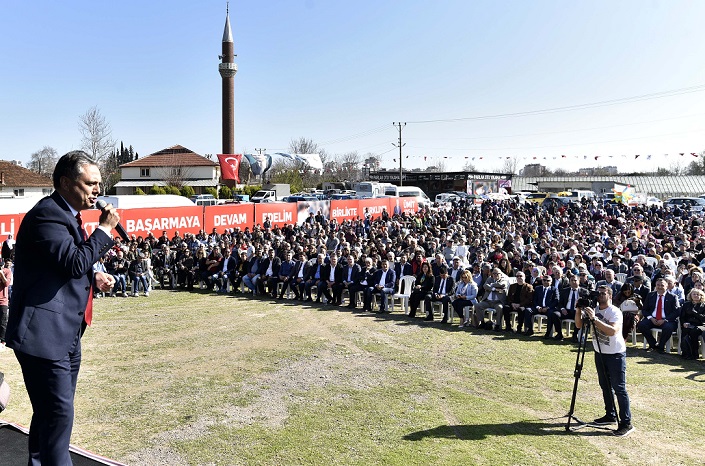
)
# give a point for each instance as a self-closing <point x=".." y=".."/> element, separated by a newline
<point x="5" y="283"/>
<point x="610" y="360"/>
<point x="8" y="248"/>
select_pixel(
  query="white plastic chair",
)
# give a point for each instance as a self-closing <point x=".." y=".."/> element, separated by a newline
<point x="620" y="277"/>
<point x="540" y="318"/>
<point x="405" y="287"/>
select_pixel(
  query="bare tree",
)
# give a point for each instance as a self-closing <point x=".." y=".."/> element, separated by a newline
<point x="469" y="167"/>
<point x="510" y="165"/>
<point x="43" y="161"/>
<point x="350" y="165"/>
<point x="175" y="173"/>
<point x="97" y="140"/>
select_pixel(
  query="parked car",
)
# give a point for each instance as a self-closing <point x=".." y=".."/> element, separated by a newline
<point x="342" y="197"/>
<point x="300" y="198"/>
<point x="537" y="198"/>
<point x="694" y="204"/>
<point x="654" y="201"/>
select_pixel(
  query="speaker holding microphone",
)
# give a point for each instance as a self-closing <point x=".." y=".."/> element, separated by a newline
<point x="101" y="204"/>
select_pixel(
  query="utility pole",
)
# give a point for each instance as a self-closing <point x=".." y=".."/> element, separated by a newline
<point x="400" y="125"/>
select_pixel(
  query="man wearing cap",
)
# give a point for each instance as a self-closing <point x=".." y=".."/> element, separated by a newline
<point x="617" y="266"/>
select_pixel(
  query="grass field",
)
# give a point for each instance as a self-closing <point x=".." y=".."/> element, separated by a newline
<point x="200" y="379"/>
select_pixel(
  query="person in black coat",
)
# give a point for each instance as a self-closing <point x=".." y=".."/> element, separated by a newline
<point x="442" y="291"/>
<point x="545" y="302"/>
<point x="331" y="275"/>
<point x="269" y="270"/>
<point x="350" y="275"/>
<point x="51" y="302"/>
<point x="298" y="276"/>
<point x="567" y="302"/>
<point x="366" y="275"/>
<point x="422" y="286"/>
<point x="661" y="315"/>
<point x="692" y="324"/>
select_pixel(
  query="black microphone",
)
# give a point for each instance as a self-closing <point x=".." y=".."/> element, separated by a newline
<point x="101" y="204"/>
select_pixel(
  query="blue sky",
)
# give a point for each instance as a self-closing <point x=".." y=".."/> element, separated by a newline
<point x="341" y="72"/>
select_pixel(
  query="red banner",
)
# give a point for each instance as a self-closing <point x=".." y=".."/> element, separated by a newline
<point x="9" y="224"/>
<point x="279" y="213"/>
<point x="140" y="222"/>
<point x="408" y="205"/>
<point x="221" y="217"/>
<point x="374" y="206"/>
<point x="345" y="210"/>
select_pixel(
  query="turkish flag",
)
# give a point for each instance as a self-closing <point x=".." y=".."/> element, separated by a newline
<point x="230" y="166"/>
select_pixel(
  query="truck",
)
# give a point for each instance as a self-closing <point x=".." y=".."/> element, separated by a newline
<point x="272" y="193"/>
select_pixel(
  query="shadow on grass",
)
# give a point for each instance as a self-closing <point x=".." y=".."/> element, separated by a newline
<point x="539" y="428"/>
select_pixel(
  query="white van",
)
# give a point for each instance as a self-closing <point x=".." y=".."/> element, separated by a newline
<point x="204" y="199"/>
<point x="409" y="191"/>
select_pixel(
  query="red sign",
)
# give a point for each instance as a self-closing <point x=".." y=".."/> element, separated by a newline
<point x="221" y="217"/>
<point x="374" y="207"/>
<point x="278" y="213"/>
<point x="140" y="222"/>
<point x="344" y="210"/>
<point x="9" y="224"/>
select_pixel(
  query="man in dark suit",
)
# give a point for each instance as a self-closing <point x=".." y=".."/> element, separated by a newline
<point x="269" y="268"/>
<point x="456" y="269"/>
<point x="297" y="278"/>
<point x="366" y="275"/>
<point x="545" y="302"/>
<point x="519" y="297"/>
<point x="567" y="301"/>
<point x="441" y="292"/>
<point x="382" y="284"/>
<point x="315" y="276"/>
<point x="52" y="303"/>
<point x="350" y="275"/>
<point x="660" y="311"/>
<point x="287" y="268"/>
<point x="332" y="274"/>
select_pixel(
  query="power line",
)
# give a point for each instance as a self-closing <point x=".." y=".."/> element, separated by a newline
<point x="604" y="103"/>
<point x="558" y="145"/>
<point x="561" y="132"/>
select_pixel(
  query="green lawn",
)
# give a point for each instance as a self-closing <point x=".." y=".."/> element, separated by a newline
<point x="200" y="379"/>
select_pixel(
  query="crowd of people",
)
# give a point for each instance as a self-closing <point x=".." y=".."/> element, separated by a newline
<point x="502" y="265"/>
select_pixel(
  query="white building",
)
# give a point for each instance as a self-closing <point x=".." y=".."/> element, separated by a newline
<point x="175" y="166"/>
<point x="19" y="182"/>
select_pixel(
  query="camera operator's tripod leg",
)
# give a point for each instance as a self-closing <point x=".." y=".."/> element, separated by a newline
<point x="579" y="360"/>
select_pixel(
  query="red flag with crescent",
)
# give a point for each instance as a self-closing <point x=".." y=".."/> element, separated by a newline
<point x="230" y="166"/>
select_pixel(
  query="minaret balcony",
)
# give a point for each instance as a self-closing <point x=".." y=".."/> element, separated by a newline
<point x="227" y="70"/>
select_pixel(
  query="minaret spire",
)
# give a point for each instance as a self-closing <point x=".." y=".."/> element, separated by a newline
<point x="227" y="69"/>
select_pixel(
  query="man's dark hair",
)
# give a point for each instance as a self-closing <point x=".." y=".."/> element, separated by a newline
<point x="442" y="269"/>
<point x="70" y="165"/>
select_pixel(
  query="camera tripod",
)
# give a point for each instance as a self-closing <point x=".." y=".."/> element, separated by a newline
<point x="580" y="357"/>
